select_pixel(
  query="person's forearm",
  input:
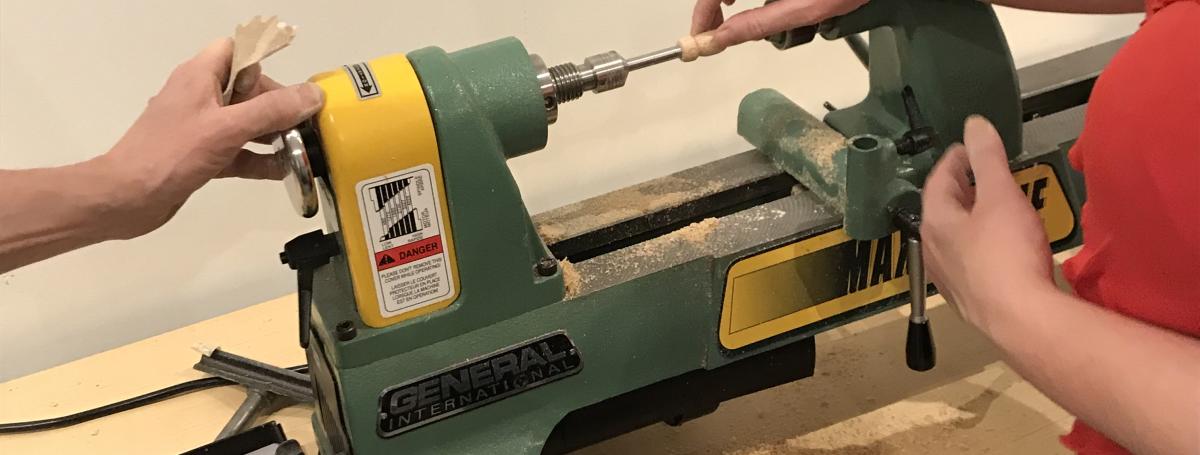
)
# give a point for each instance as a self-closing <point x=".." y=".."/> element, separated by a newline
<point x="46" y="212"/>
<point x="1138" y="384"/>
<point x="1076" y="6"/>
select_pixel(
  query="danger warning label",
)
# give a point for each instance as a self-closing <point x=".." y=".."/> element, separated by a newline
<point x="404" y="254"/>
<point x="402" y="221"/>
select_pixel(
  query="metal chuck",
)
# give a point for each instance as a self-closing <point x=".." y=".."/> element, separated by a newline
<point x="598" y="73"/>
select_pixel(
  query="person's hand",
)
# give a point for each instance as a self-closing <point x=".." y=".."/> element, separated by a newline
<point x="185" y="137"/>
<point x="764" y="21"/>
<point x="983" y="245"/>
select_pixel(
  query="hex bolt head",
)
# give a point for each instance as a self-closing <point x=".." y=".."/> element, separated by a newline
<point x="547" y="266"/>
<point x="346" y="331"/>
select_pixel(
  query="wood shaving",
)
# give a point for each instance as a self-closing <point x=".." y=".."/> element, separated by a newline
<point x="696" y="232"/>
<point x="621" y="205"/>
<point x="696" y="235"/>
<point x="572" y="280"/>
<point x="821" y="146"/>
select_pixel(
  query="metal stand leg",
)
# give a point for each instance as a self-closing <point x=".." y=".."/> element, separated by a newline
<point x="267" y="387"/>
<point x="245" y="415"/>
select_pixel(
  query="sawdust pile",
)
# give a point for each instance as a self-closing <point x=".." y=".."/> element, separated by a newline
<point x="576" y="279"/>
<point x="821" y="147"/>
<point x="933" y="437"/>
<point x="909" y="426"/>
<point x="698" y="231"/>
<point x="572" y="280"/>
<point x="694" y="233"/>
<point x="551" y="233"/>
<point x="621" y="205"/>
<point x="924" y="426"/>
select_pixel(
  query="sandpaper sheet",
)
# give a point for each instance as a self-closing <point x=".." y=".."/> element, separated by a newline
<point x="254" y="41"/>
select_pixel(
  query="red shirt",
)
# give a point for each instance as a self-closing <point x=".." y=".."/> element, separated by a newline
<point x="1140" y="155"/>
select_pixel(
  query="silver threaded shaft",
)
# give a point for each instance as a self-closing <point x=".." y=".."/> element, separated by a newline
<point x="598" y="73"/>
<point x="568" y="85"/>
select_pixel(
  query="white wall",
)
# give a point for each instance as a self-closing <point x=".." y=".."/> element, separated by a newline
<point x="74" y="74"/>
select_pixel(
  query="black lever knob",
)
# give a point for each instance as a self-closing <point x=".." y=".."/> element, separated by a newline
<point x="918" y="347"/>
<point x="919" y="352"/>
<point x="304" y="254"/>
<point x="919" y="137"/>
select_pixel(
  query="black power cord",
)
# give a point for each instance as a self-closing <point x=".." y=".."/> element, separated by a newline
<point x="123" y="405"/>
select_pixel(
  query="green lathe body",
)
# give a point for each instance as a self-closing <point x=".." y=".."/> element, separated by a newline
<point x="953" y="66"/>
<point x="486" y="108"/>
<point x="645" y="327"/>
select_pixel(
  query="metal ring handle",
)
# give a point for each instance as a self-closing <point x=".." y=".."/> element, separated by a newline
<point x="298" y="178"/>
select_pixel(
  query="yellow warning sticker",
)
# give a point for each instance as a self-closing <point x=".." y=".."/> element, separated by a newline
<point x="392" y="209"/>
<point x="813" y="279"/>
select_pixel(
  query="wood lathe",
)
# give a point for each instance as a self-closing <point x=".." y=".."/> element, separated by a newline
<point x="440" y="317"/>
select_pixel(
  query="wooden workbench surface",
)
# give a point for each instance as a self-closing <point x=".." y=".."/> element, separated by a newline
<point x="861" y="400"/>
<point x="265" y="332"/>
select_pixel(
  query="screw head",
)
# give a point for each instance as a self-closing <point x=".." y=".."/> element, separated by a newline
<point x="346" y="331"/>
<point x="547" y="266"/>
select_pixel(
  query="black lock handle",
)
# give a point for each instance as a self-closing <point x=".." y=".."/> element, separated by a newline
<point x="304" y="254"/>
<point x="919" y="351"/>
<point x="920" y="135"/>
